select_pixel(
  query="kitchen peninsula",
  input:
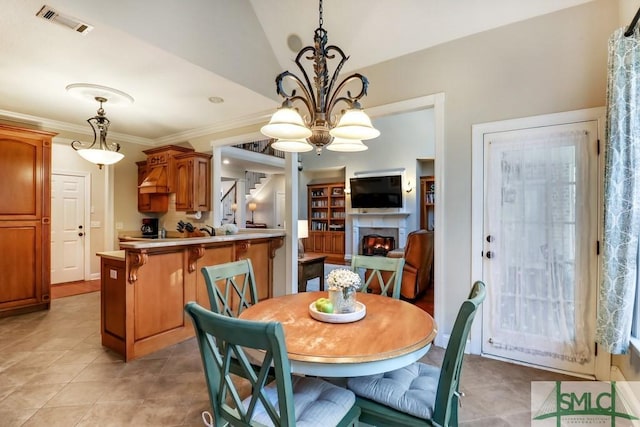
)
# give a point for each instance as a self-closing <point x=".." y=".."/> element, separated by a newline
<point x="145" y="285"/>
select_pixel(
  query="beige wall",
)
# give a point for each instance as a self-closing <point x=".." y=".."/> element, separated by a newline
<point x="548" y="64"/>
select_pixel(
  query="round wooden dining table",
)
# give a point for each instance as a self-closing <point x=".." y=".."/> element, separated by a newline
<point x="392" y="334"/>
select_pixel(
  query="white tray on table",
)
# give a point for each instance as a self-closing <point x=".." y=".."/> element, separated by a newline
<point x="361" y="311"/>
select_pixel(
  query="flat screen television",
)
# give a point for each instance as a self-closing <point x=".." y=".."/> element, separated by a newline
<point x="376" y="192"/>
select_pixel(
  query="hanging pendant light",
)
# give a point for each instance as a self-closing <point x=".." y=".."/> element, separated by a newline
<point x="104" y="153"/>
<point x="318" y="127"/>
<point x="100" y="151"/>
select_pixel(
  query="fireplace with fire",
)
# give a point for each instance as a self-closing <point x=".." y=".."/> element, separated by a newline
<point x="375" y="244"/>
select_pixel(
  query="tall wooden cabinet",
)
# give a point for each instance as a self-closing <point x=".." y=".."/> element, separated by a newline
<point x="327" y="215"/>
<point x="25" y="220"/>
<point x="427" y="202"/>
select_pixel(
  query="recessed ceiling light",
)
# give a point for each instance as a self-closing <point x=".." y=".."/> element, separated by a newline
<point x="216" y="100"/>
<point x="226" y="161"/>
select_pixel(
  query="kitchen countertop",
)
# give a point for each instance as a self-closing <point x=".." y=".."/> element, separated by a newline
<point x="145" y="243"/>
<point x="115" y="255"/>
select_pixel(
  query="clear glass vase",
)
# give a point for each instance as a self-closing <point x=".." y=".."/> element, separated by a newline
<point x="343" y="299"/>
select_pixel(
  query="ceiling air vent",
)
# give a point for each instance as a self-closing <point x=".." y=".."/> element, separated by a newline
<point x="50" y="14"/>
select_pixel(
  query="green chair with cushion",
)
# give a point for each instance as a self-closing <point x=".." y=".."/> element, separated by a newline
<point x="380" y="275"/>
<point x="287" y="401"/>
<point x="231" y="287"/>
<point x="420" y="394"/>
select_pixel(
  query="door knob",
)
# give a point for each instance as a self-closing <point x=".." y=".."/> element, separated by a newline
<point x="490" y="254"/>
<point x="490" y="238"/>
<point x="81" y="234"/>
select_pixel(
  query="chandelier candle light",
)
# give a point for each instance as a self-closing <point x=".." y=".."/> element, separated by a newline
<point x="318" y="129"/>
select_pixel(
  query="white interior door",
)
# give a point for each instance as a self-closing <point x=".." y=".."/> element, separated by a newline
<point x="67" y="228"/>
<point x="540" y="237"/>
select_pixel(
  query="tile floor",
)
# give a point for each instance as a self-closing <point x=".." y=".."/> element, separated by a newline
<point x="54" y="372"/>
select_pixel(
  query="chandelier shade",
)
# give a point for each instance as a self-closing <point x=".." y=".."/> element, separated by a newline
<point x="346" y="145"/>
<point x="292" y="145"/>
<point x="355" y="124"/>
<point x="318" y="124"/>
<point x="100" y="151"/>
<point x="286" y="123"/>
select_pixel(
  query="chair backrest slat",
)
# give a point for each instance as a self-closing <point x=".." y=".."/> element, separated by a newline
<point x="231" y="287"/>
<point x="221" y="336"/>
<point x="447" y="400"/>
<point x="379" y="272"/>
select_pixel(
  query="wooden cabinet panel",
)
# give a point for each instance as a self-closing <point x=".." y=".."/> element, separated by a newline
<point x="113" y="298"/>
<point x="212" y="256"/>
<point x="25" y="215"/>
<point x="193" y="182"/>
<point x="157" y="291"/>
<point x="258" y="253"/>
<point x="21" y="249"/>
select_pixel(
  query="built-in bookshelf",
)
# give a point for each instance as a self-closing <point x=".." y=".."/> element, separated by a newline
<point x="327" y="216"/>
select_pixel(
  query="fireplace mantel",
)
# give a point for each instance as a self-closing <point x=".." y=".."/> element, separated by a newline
<point x="386" y="214"/>
<point x="397" y="220"/>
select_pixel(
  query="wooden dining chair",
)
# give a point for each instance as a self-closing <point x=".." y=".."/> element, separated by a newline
<point x="231" y="287"/>
<point x="287" y="401"/>
<point x="379" y="274"/>
<point x="420" y="394"/>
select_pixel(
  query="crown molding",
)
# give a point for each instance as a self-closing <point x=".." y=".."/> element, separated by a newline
<point x="56" y="125"/>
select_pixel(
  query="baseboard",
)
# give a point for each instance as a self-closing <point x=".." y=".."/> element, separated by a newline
<point x="94" y="276"/>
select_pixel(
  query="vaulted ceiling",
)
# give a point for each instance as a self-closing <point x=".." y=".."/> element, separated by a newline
<point x="172" y="56"/>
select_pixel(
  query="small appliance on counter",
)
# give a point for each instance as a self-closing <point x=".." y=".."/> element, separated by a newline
<point x="149" y="228"/>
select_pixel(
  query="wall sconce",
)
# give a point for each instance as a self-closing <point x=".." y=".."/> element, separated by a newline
<point x="303" y="232"/>
<point x="252" y="207"/>
<point x="409" y="187"/>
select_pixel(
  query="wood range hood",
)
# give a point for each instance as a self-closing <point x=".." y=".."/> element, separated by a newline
<point x="155" y="182"/>
<point x="161" y="169"/>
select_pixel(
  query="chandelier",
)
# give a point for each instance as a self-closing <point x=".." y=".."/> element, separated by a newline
<point x="104" y="153"/>
<point x="100" y="151"/>
<point x="320" y="128"/>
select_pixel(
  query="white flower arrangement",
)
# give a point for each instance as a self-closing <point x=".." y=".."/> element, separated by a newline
<point x="342" y="278"/>
<point x="230" y="228"/>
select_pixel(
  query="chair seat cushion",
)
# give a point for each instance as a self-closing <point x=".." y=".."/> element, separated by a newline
<point x="316" y="402"/>
<point x="411" y="390"/>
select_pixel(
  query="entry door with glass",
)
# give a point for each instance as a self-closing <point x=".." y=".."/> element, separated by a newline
<point x="540" y="245"/>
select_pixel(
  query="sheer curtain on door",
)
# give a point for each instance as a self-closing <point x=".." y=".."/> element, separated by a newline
<point x="536" y="219"/>
<point x="621" y="194"/>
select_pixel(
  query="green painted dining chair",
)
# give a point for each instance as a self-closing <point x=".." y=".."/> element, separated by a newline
<point x="420" y="394"/>
<point x="379" y="274"/>
<point x="287" y="401"/>
<point x="231" y="287"/>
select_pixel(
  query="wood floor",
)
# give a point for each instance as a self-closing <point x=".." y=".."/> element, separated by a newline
<point x="61" y="290"/>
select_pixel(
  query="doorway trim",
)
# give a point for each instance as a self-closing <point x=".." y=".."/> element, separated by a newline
<point x="87" y="216"/>
<point x="436" y="102"/>
<point x="602" y="368"/>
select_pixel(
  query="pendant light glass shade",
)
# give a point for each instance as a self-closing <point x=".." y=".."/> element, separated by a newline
<point x="355" y="124"/>
<point x="286" y="123"/>
<point x="292" y="145"/>
<point x="100" y="156"/>
<point x="346" y="145"/>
